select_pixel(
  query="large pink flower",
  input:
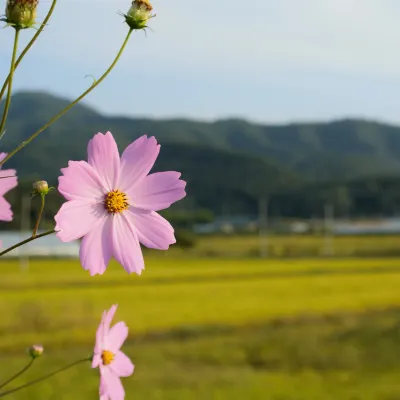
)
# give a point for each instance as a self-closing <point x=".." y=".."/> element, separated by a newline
<point x="8" y="181"/>
<point x="112" y="203"/>
<point x="107" y="356"/>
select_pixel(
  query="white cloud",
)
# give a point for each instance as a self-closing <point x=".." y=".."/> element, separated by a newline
<point x="300" y="48"/>
<point x="341" y="35"/>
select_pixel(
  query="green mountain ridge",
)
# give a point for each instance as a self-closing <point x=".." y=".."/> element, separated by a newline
<point x="346" y="148"/>
<point x="226" y="161"/>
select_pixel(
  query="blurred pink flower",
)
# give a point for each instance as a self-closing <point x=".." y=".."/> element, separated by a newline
<point x="8" y="181"/>
<point x="107" y="356"/>
<point x="112" y="203"/>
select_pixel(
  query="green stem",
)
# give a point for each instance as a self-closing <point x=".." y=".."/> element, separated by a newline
<point x="18" y="374"/>
<point x="39" y="218"/>
<point x="43" y="377"/>
<point x="61" y="113"/>
<point x="8" y="99"/>
<point x="29" y="45"/>
<point x="26" y="241"/>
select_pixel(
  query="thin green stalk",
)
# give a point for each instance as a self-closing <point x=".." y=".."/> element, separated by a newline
<point x="39" y="218"/>
<point x="29" y="45"/>
<point x="61" y="113"/>
<point x="8" y="99"/>
<point x="43" y="377"/>
<point x="26" y="241"/>
<point x="18" y="374"/>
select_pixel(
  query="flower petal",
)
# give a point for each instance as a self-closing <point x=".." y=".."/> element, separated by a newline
<point x="8" y="180"/>
<point x="96" y="248"/>
<point x="96" y="360"/>
<point x="153" y="231"/>
<point x="158" y="191"/>
<point x="103" y="156"/>
<point x="76" y="218"/>
<point x="108" y="319"/>
<point x="126" y="247"/>
<point x="116" y="337"/>
<point x="137" y="160"/>
<point x="98" y="347"/>
<point x="5" y="210"/>
<point x="81" y="181"/>
<point x="113" y="384"/>
<point x="103" y="389"/>
<point x="122" y="365"/>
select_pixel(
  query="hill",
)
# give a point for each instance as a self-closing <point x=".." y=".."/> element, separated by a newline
<point x="347" y="148"/>
<point x="225" y="162"/>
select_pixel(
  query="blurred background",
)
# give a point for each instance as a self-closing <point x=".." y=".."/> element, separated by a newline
<point x="284" y="119"/>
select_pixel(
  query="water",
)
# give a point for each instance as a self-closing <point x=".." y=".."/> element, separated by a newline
<point x="48" y="246"/>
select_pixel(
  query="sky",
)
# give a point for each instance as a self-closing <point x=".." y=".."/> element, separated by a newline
<point x="268" y="61"/>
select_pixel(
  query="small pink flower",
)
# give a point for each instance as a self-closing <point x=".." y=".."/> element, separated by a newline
<point x="112" y="203"/>
<point x="107" y="356"/>
<point x="8" y="181"/>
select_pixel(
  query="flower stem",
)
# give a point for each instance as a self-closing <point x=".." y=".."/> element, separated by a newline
<point x="8" y="99"/>
<point x="43" y="377"/>
<point x="61" y="113"/>
<point x="39" y="218"/>
<point x="29" y="45"/>
<point x="18" y="374"/>
<point x="26" y="241"/>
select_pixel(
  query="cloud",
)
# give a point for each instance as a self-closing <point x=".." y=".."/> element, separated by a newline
<point x="212" y="57"/>
<point x="359" y="36"/>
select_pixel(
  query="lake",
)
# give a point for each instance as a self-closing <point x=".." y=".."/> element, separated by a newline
<point x="48" y="246"/>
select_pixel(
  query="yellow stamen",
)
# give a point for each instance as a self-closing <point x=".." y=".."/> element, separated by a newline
<point x="116" y="202"/>
<point x="107" y="357"/>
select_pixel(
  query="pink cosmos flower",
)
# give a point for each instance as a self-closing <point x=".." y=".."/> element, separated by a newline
<point x="8" y="181"/>
<point x="112" y="203"/>
<point x="107" y="356"/>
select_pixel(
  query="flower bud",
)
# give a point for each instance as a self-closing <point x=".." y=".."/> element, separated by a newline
<point x="40" y="187"/>
<point x="21" y="13"/>
<point x="36" y="350"/>
<point x="139" y="14"/>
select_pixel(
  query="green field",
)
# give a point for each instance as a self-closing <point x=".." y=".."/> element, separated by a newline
<point x="213" y="328"/>
<point x="289" y="246"/>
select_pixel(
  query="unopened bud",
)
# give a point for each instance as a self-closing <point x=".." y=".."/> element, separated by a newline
<point x="40" y="187"/>
<point x="21" y="13"/>
<point x="36" y="350"/>
<point x="139" y="14"/>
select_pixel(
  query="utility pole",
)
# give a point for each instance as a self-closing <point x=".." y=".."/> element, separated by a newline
<point x="328" y="229"/>
<point x="263" y="226"/>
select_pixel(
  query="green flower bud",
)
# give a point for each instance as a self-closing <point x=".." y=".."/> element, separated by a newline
<point x="40" y="187"/>
<point x="139" y="14"/>
<point x="21" y="13"/>
<point x="36" y="350"/>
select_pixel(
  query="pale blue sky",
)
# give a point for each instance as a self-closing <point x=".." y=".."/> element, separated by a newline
<point x="263" y="60"/>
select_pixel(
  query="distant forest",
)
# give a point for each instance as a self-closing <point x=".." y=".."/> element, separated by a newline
<point x="229" y="165"/>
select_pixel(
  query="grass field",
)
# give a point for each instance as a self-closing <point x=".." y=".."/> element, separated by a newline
<point x="289" y="246"/>
<point x="213" y="328"/>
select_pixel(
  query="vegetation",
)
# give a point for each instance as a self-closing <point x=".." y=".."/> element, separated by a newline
<point x="295" y="330"/>
<point x="351" y="146"/>
<point x="229" y="164"/>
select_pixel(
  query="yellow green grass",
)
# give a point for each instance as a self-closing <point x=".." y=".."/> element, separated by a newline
<point x="294" y="246"/>
<point x="214" y="328"/>
<point x="54" y="295"/>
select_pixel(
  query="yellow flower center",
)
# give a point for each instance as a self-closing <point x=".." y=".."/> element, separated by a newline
<point x="116" y="202"/>
<point x="107" y="357"/>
